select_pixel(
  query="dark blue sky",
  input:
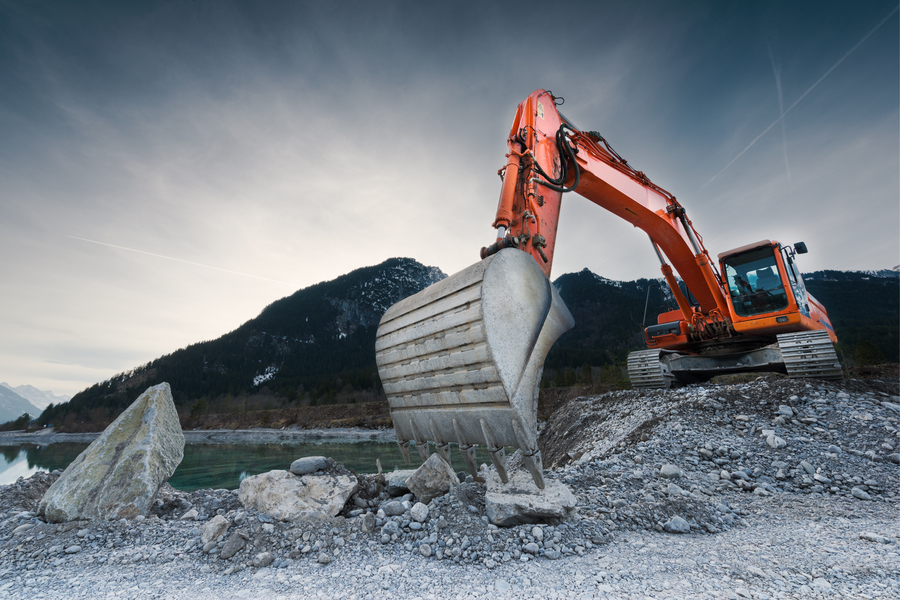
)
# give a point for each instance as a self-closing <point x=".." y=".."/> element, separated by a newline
<point x="269" y="146"/>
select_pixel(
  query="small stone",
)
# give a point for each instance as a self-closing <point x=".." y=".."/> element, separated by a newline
<point x="531" y="548"/>
<point x="552" y="554"/>
<point x="674" y="490"/>
<point x="73" y="549"/>
<point x="808" y="467"/>
<point x="785" y="410"/>
<point x="391" y="528"/>
<point x="190" y="515"/>
<point x="308" y="465"/>
<point x="393" y="508"/>
<point x="670" y="472"/>
<point x="324" y="558"/>
<point x="537" y="533"/>
<point x="894" y="458"/>
<point x="677" y="525"/>
<point x="425" y="550"/>
<point x="834" y="449"/>
<point x="723" y="474"/>
<point x="502" y="586"/>
<point x="860" y="494"/>
<point x="419" y="512"/>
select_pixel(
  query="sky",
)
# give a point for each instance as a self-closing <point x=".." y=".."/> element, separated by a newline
<point x="168" y="169"/>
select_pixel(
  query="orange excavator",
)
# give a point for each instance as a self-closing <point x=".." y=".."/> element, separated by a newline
<point x="461" y="361"/>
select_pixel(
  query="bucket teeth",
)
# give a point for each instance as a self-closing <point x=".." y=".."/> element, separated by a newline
<point x="468" y="454"/>
<point x="404" y="449"/>
<point x="498" y="456"/>
<point x="422" y="447"/>
<point x="421" y="442"/>
<point x="444" y="451"/>
<point x="535" y="466"/>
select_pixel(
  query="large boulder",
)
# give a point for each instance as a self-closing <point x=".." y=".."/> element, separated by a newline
<point x="120" y="473"/>
<point x="521" y="501"/>
<point x="434" y="478"/>
<point x="285" y="496"/>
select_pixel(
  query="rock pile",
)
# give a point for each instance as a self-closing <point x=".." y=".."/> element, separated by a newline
<point x="689" y="464"/>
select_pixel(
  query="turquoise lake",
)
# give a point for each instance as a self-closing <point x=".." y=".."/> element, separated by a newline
<point x="224" y="466"/>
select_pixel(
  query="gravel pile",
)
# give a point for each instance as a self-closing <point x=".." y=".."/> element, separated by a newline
<point x="770" y="489"/>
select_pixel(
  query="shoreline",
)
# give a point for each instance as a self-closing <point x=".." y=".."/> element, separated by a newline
<point x="220" y="436"/>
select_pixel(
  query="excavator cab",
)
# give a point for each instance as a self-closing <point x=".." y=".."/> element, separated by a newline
<point x="754" y="282"/>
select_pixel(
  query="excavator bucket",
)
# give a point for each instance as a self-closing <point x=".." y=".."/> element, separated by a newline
<point x="461" y="360"/>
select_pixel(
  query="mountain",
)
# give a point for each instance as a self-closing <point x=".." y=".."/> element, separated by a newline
<point x="38" y="398"/>
<point x="317" y="346"/>
<point x="13" y="406"/>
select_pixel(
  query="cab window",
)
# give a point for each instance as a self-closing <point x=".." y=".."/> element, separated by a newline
<point x="754" y="283"/>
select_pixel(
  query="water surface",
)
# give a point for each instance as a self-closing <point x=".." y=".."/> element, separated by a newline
<point x="224" y="466"/>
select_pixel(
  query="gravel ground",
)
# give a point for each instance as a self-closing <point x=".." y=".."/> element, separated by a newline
<point x="770" y="489"/>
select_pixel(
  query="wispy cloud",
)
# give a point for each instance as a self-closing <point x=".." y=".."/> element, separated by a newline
<point x="805" y="94"/>
<point x="776" y="69"/>
<point x="187" y="262"/>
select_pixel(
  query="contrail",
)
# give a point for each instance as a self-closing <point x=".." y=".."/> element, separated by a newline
<point x="777" y="72"/>
<point x="811" y="88"/>
<point x="187" y="262"/>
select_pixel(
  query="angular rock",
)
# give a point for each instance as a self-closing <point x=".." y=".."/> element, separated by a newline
<point x="776" y="442"/>
<point x="308" y="465"/>
<point x="190" y="515"/>
<point x="784" y="410"/>
<point x="860" y="494"/>
<point x="234" y="544"/>
<point x="120" y="473"/>
<point x="263" y="559"/>
<point x="395" y="482"/>
<point x="285" y="496"/>
<point x="670" y="472"/>
<point x="520" y="500"/>
<point x="677" y="525"/>
<point x="434" y="478"/>
<point x="674" y="490"/>
<point x="213" y="528"/>
<point x="894" y="458"/>
<point x="368" y="523"/>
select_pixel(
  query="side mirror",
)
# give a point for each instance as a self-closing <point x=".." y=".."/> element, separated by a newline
<point x="800" y="248"/>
